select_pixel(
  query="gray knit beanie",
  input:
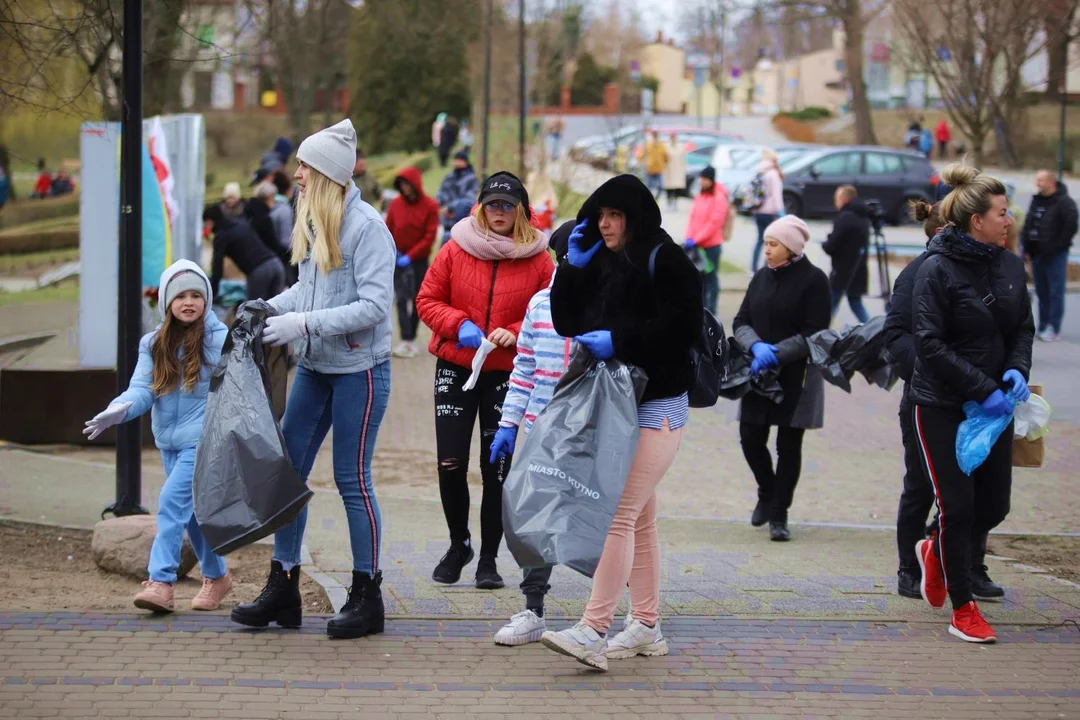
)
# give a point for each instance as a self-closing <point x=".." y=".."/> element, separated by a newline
<point x="181" y="282"/>
<point x="331" y="151"/>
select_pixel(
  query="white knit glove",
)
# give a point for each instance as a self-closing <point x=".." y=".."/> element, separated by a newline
<point x="112" y="415"/>
<point x="284" y="329"/>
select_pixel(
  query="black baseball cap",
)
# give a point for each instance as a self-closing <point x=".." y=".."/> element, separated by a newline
<point x="503" y="186"/>
<point x="260" y="175"/>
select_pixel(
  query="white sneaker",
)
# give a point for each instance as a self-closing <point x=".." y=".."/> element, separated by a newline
<point x="524" y="628"/>
<point x="580" y="642"/>
<point x="638" y="639"/>
<point x="406" y="350"/>
<point x="1047" y="335"/>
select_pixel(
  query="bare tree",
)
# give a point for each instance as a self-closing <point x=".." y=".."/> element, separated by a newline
<point x="975" y="53"/>
<point x="1061" y="28"/>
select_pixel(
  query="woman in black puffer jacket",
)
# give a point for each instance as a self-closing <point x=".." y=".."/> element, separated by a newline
<point x="973" y="335"/>
<point x="607" y="297"/>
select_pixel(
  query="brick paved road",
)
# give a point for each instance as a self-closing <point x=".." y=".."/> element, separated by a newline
<point x="84" y="666"/>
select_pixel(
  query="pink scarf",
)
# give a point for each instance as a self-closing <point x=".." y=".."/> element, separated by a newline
<point x="492" y="246"/>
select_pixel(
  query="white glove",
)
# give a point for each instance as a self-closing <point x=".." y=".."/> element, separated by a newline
<point x="284" y="329"/>
<point x="112" y="415"/>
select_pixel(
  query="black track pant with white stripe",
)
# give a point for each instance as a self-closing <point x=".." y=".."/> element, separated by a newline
<point x="968" y="506"/>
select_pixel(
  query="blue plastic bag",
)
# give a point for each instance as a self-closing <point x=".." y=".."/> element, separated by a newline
<point x="978" y="433"/>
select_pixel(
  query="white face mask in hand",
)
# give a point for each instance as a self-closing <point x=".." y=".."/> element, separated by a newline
<point x="112" y="415"/>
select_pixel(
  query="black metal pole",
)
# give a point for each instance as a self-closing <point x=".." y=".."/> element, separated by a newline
<point x="487" y="89"/>
<point x="522" y="106"/>
<point x="129" y="317"/>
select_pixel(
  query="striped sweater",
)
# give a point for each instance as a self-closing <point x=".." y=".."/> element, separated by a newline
<point x="542" y="358"/>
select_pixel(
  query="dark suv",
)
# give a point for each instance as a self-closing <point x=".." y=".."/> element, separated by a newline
<point x="893" y="177"/>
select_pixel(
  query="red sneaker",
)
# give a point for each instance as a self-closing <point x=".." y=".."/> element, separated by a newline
<point x="968" y="625"/>
<point x="932" y="585"/>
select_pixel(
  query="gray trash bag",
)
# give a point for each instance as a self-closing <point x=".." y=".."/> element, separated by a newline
<point x="245" y="487"/>
<point x="568" y="476"/>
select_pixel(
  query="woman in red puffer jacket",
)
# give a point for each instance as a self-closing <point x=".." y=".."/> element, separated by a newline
<point x="477" y="290"/>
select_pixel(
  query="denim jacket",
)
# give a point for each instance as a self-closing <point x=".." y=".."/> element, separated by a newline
<point x="347" y="311"/>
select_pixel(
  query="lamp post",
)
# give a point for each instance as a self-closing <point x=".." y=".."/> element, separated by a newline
<point x="487" y="89"/>
<point x="129" y="317"/>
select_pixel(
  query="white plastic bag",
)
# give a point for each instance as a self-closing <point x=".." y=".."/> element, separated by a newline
<point x="1032" y="418"/>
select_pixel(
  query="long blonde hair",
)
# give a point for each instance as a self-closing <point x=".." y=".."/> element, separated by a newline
<point x="319" y="214"/>
<point x="769" y="155"/>
<point x="523" y="234"/>
<point x="972" y="194"/>
<point x="170" y="371"/>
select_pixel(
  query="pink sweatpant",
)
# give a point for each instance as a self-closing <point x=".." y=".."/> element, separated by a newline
<point x="632" y="549"/>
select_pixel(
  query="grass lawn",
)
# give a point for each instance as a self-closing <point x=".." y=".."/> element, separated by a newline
<point x="24" y="262"/>
<point x="67" y="291"/>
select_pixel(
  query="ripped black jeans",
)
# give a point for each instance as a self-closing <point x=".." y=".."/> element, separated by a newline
<point x="456" y="410"/>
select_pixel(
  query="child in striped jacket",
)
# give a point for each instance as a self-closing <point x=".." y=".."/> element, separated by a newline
<point x="542" y="357"/>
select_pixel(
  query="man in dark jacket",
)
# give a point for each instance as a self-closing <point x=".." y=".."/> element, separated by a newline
<point x="847" y="245"/>
<point x="234" y="239"/>
<point x="458" y="192"/>
<point x="1046" y="238"/>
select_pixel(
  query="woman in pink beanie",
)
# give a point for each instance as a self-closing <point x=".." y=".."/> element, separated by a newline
<point x="788" y="300"/>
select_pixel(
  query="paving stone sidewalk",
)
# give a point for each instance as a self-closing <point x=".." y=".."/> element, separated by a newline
<point x="74" y="665"/>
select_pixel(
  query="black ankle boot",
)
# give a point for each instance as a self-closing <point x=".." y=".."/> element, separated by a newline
<point x="778" y="532"/>
<point x="761" y="514"/>
<point x="278" y="602"/>
<point x="907" y="585"/>
<point x="363" y="613"/>
<point x="982" y="587"/>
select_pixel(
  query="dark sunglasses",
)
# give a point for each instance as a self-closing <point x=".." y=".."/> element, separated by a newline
<point x="497" y="205"/>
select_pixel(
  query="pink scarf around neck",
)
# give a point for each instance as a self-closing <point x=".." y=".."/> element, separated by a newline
<point x="492" y="246"/>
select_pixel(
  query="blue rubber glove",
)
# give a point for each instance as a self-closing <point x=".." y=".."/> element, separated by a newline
<point x="997" y="405"/>
<point x="756" y="367"/>
<point x="764" y="354"/>
<point x="598" y="342"/>
<point x="1019" y="385"/>
<point x="404" y="261"/>
<point x="503" y="444"/>
<point x="575" y="253"/>
<point x="469" y="335"/>
<point x="689" y="243"/>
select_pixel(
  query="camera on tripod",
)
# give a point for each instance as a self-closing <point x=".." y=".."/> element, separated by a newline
<point x="877" y="215"/>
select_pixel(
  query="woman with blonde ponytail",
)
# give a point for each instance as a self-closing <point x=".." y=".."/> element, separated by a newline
<point x="338" y="314"/>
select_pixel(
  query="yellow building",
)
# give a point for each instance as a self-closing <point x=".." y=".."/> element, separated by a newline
<point x="667" y="63"/>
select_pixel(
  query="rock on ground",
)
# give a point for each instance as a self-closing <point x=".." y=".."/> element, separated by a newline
<point x="122" y="545"/>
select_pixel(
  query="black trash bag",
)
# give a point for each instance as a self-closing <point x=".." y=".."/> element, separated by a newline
<point x="710" y="358"/>
<point x="822" y="345"/>
<point x="245" y="487"/>
<point x="567" y="478"/>
<point x="738" y="381"/>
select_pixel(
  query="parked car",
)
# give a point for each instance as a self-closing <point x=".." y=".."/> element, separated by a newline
<point x="697" y="161"/>
<point x="745" y="163"/>
<point x="893" y="177"/>
<point x="691" y="139"/>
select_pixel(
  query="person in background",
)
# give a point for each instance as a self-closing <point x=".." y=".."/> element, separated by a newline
<point x="787" y="301"/>
<point x="705" y="230"/>
<point x="61" y="184"/>
<point x="926" y="143"/>
<point x="542" y="358"/>
<point x="43" y="185"/>
<point x="257" y="213"/>
<point x="675" y="172"/>
<point x="5" y="187"/>
<point x="338" y="314"/>
<point x="283" y="215"/>
<point x="234" y="239"/>
<point x="656" y="161"/>
<point x="1049" y="228"/>
<point x="172" y="381"/>
<point x="627" y="292"/>
<point x="771" y="180"/>
<point x="413" y="220"/>
<point x="436" y="129"/>
<point x="447" y="139"/>
<point x="277" y="157"/>
<point x="466" y="137"/>
<point x="370" y="192"/>
<point x="232" y="204"/>
<point x="847" y="245"/>
<point x="555" y="129"/>
<point x="457" y="193"/>
<point x="479" y="287"/>
<point x="944" y="136"/>
<point x="973" y="332"/>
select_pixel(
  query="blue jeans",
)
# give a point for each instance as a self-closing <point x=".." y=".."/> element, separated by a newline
<point x="854" y="300"/>
<point x="763" y="221"/>
<point x="711" y="281"/>
<point x="354" y="404"/>
<point x="175" y="514"/>
<point x="1049" y="272"/>
<point x="655" y="183"/>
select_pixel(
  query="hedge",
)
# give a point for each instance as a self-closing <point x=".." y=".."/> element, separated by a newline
<point x="24" y="210"/>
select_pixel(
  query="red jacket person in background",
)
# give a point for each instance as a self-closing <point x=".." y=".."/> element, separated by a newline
<point x="413" y="220"/>
<point x="478" y="289"/>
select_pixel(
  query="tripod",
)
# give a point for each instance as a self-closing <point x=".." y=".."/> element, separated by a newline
<point x="881" y="250"/>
